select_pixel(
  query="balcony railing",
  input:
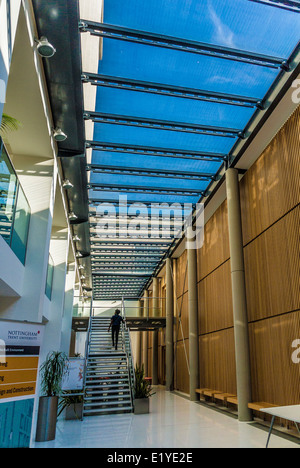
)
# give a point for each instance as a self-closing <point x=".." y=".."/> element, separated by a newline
<point x="14" y="208"/>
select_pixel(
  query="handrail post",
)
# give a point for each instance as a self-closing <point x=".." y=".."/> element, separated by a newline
<point x="87" y="346"/>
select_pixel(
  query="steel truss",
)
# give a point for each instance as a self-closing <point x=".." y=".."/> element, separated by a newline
<point x="291" y="5"/>
<point x="176" y="192"/>
<point x="154" y="151"/>
<point x="170" y="174"/>
<point x="184" y="45"/>
<point x="171" y="90"/>
<point x="156" y="124"/>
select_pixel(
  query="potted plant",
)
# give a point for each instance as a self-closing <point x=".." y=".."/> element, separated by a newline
<point x="52" y="371"/>
<point x="142" y="391"/>
<point x="72" y="403"/>
<point x="8" y="123"/>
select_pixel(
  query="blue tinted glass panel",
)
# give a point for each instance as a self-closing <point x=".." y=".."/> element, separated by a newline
<point x="8" y="188"/>
<point x="21" y="226"/>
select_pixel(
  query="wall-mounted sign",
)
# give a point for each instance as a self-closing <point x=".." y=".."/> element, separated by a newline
<point x="19" y="361"/>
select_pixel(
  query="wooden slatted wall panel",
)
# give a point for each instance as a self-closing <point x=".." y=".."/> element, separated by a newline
<point x="215" y="250"/>
<point x="181" y="285"/>
<point x="271" y="187"/>
<point x="270" y="196"/>
<point x="275" y="377"/>
<point x="215" y="300"/>
<point x="182" y="381"/>
<point x="217" y="361"/>
<point x="272" y="268"/>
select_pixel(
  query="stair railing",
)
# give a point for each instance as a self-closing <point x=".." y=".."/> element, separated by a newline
<point x="128" y="350"/>
<point x="87" y="347"/>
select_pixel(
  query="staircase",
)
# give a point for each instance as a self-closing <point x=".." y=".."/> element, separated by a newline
<point x="108" y="372"/>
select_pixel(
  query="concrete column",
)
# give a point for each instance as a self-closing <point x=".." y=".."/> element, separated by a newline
<point x="155" y="334"/>
<point x="68" y="308"/>
<point x="193" y="322"/>
<point x="169" y="325"/>
<point x="59" y="251"/>
<point x="242" y="354"/>
<point x="145" y="334"/>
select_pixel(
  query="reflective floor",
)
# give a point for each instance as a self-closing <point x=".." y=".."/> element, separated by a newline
<point x="173" y="422"/>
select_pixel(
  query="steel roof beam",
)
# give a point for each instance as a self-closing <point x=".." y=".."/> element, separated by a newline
<point x="129" y="243"/>
<point x="143" y="220"/>
<point x="141" y="189"/>
<point x="125" y="257"/>
<point x="184" y="45"/>
<point x="154" y="151"/>
<point x="129" y="84"/>
<point x="127" y="274"/>
<point x="130" y="203"/>
<point x="284" y="5"/>
<point x="172" y="174"/>
<point x="156" y="124"/>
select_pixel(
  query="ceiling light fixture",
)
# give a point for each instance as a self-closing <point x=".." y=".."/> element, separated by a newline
<point x="67" y="184"/>
<point x="44" y="48"/>
<point x="59" y="135"/>
<point x="72" y="216"/>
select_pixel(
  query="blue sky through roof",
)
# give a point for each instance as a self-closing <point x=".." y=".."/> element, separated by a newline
<point x="238" y="24"/>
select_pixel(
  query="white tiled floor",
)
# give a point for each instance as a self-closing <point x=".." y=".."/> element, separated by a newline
<point x="173" y="422"/>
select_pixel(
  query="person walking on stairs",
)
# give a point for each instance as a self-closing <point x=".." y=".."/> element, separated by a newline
<point x="115" y="324"/>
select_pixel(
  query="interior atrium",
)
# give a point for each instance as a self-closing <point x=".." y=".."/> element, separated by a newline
<point x="149" y="226"/>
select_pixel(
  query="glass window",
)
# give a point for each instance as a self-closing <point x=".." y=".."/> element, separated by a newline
<point x="8" y="189"/>
<point x="21" y="226"/>
<point x="14" y="208"/>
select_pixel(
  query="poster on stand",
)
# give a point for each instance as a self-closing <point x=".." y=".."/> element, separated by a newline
<point x="74" y="374"/>
<point x="19" y="363"/>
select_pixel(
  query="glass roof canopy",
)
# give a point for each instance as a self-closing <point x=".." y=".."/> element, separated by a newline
<point x="178" y="84"/>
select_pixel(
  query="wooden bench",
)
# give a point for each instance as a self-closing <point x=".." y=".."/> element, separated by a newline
<point x="233" y="400"/>
<point x="224" y="396"/>
<point x="202" y="390"/>
<point x="258" y="405"/>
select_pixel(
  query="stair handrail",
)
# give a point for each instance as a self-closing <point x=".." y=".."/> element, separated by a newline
<point x="87" y="347"/>
<point x="129" y="353"/>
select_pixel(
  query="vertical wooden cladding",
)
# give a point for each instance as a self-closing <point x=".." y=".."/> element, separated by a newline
<point x="270" y="196"/>
<point x="182" y="380"/>
<point x="217" y="361"/>
<point x="182" y="323"/>
<point x="271" y="187"/>
<point x="275" y="377"/>
<point x="215" y="300"/>
<point x="215" y="250"/>
<point x="181" y="275"/>
<point x="272" y="267"/>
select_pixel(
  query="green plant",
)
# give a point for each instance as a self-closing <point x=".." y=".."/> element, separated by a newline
<point x="52" y="371"/>
<point x="69" y="398"/>
<point x="8" y="123"/>
<point x="142" y="387"/>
